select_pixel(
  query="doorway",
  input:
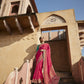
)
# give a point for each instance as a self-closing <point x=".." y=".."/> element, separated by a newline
<point x="57" y="39"/>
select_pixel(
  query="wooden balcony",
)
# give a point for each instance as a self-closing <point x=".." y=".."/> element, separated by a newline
<point x="19" y="22"/>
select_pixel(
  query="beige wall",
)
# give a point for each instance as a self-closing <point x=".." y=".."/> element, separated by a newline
<point x="73" y="41"/>
<point x="14" y="50"/>
<point x="68" y="15"/>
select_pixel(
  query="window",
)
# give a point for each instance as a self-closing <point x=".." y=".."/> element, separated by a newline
<point x="14" y="8"/>
<point x="29" y="11"/>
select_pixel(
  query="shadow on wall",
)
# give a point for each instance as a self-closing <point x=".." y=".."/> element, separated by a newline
<point x="31" y="52"/>
<point x="76" y="73"/>
<point x="31" y="55"/>
<point x="6" y="40"/>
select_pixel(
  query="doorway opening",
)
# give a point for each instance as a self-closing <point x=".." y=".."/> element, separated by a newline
<point x="57" y="39"/>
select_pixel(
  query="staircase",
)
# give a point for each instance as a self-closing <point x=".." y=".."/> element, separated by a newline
<point x="65" y="78"/>
<point x="23" y="75"/>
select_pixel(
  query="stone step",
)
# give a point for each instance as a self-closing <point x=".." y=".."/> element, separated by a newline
<point x="66" y="83"/>
<point x="65" y="77"/>
<point x="64" y="74"/>
<point x="68" y="79"/>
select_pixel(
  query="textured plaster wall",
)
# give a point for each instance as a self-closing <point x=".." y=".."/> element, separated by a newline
<point x="6" y="7"/>
<point x="14" y="51"/>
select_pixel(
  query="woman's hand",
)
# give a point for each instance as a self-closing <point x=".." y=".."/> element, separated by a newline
<point x="33" y="57"/>
<point x="42" y="50"/>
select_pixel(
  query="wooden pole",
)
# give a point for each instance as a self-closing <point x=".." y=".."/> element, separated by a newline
<point x="19" y="26"/>
<point x="27" y="77"/>
<point x="7" y="27"/>
<point x="16" y="73"/>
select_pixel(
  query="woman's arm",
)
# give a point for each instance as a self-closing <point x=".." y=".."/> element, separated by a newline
<point x="36" y="51"/>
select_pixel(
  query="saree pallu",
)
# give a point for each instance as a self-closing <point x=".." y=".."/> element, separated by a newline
<point x="44" y="71"/>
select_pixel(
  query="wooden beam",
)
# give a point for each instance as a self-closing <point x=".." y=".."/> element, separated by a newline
<point x="19" y="26"/>
<point x="81" y="44"/>
<point x="28" y="73"/>
<point x="81" y="31"/>
<point x="82" y="41"/>
<point x="32" y="26"/>
<point x="7" y="27"/>
<point x="81" y="37"/>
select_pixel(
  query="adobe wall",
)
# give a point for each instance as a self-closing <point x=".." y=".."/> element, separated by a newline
<point x="15" y="49"/>
<point x="73" y="41"/>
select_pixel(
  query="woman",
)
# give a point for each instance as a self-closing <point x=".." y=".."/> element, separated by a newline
<point x="44" y="71"/>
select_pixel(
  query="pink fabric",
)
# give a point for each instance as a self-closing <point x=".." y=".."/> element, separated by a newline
<point x="49" y="74"/>
<point x="22" y="74"/>
<point x="11" y="78"/>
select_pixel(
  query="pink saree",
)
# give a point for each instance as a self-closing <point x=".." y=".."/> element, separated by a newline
<point x="44" y="70"/>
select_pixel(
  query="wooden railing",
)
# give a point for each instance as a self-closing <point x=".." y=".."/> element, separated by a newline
<point x="22" y="76"/>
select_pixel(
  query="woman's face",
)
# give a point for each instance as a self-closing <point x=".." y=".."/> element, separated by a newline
<point x="41" y="40"/>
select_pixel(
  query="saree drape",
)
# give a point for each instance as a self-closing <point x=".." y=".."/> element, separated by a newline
<point x="44" y="70"/>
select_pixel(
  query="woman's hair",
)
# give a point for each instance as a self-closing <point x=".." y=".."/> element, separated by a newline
<point x="40" y="38"/>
